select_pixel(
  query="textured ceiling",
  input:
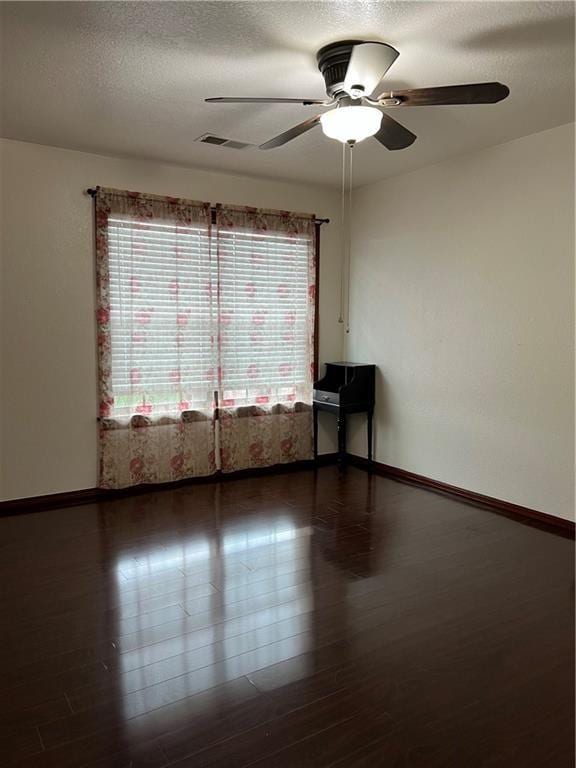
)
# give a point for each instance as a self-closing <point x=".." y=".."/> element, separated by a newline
<point x="129" y="78"/>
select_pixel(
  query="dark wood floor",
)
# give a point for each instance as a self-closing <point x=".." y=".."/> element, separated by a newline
<point x="294" y="620"/>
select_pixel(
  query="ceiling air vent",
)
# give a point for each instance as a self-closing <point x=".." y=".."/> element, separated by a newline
<point x="209" y="138"/>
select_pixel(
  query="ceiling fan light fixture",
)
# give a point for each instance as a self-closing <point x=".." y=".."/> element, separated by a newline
<point x="351" y="123"/>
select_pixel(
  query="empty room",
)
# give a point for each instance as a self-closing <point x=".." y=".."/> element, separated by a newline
<point x="287" y="384"/>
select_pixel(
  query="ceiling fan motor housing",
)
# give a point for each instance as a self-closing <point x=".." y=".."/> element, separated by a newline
<point x="333" y="63"/>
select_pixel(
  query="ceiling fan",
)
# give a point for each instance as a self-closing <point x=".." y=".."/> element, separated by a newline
<point x="352" y="69"/>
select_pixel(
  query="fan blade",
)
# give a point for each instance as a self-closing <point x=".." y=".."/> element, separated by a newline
<point x="368" y="64"/>
<point x="291" y="133"/>
<point x="393" y="135"/>
<point x="475" y="93"/>
<point x="250" y="100"/>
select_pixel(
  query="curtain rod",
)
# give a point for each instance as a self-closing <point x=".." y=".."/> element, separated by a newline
<point x="92" y="191"/>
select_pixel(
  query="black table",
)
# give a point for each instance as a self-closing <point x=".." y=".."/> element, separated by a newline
<point x="345" y="388"/>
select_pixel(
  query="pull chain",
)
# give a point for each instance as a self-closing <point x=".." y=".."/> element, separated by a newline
<point x="349" y="248"/>
<point x="346" y="222"/>
<point x="343" y="225"/>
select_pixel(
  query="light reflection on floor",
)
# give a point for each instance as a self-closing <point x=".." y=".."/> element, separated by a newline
<point x="205" y="611"/>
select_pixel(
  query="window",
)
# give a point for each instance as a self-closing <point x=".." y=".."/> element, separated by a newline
<point x="161" y="315"/>
<point x="264" y="315"/>
<point x="198" y="310"/>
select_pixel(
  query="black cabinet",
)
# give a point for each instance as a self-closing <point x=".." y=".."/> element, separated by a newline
<point x="345" y="388"/>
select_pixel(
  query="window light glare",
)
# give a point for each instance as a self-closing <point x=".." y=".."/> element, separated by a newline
<point x="351" y="123"/>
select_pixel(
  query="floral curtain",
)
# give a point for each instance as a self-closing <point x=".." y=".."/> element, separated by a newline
<point x="205" y="337"/>
<point x="266" y="301"/>
<point x="156" y="338"/>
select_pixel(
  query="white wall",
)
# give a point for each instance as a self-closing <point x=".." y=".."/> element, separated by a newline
<point x="463" y="295"/>
<point x="48" y="385"/>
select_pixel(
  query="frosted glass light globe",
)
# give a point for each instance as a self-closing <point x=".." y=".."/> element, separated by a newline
<point x="351" y="123"/>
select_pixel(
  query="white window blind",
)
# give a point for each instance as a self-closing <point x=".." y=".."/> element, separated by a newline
<point x="191" y="314"/>
<point x="161" y="315"/>
<point x="265" y="350"/>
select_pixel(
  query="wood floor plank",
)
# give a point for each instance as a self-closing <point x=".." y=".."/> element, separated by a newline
<point x="112" y="686"/>
<point x="101" y="751"/>
<point x="46" y="711"/>
<point x="107" y="723"/>
<point x="272" y="736"/>
<point x="311" y="618"/>
<point x="19" y="743"/>
<point x="167" y="691"/>
<point x="321" y="744"/>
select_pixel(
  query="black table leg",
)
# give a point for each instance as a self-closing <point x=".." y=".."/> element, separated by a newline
<point x="342" y="440"/>
<point x="315" y="421"/>
<point x="370" y="415"/>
